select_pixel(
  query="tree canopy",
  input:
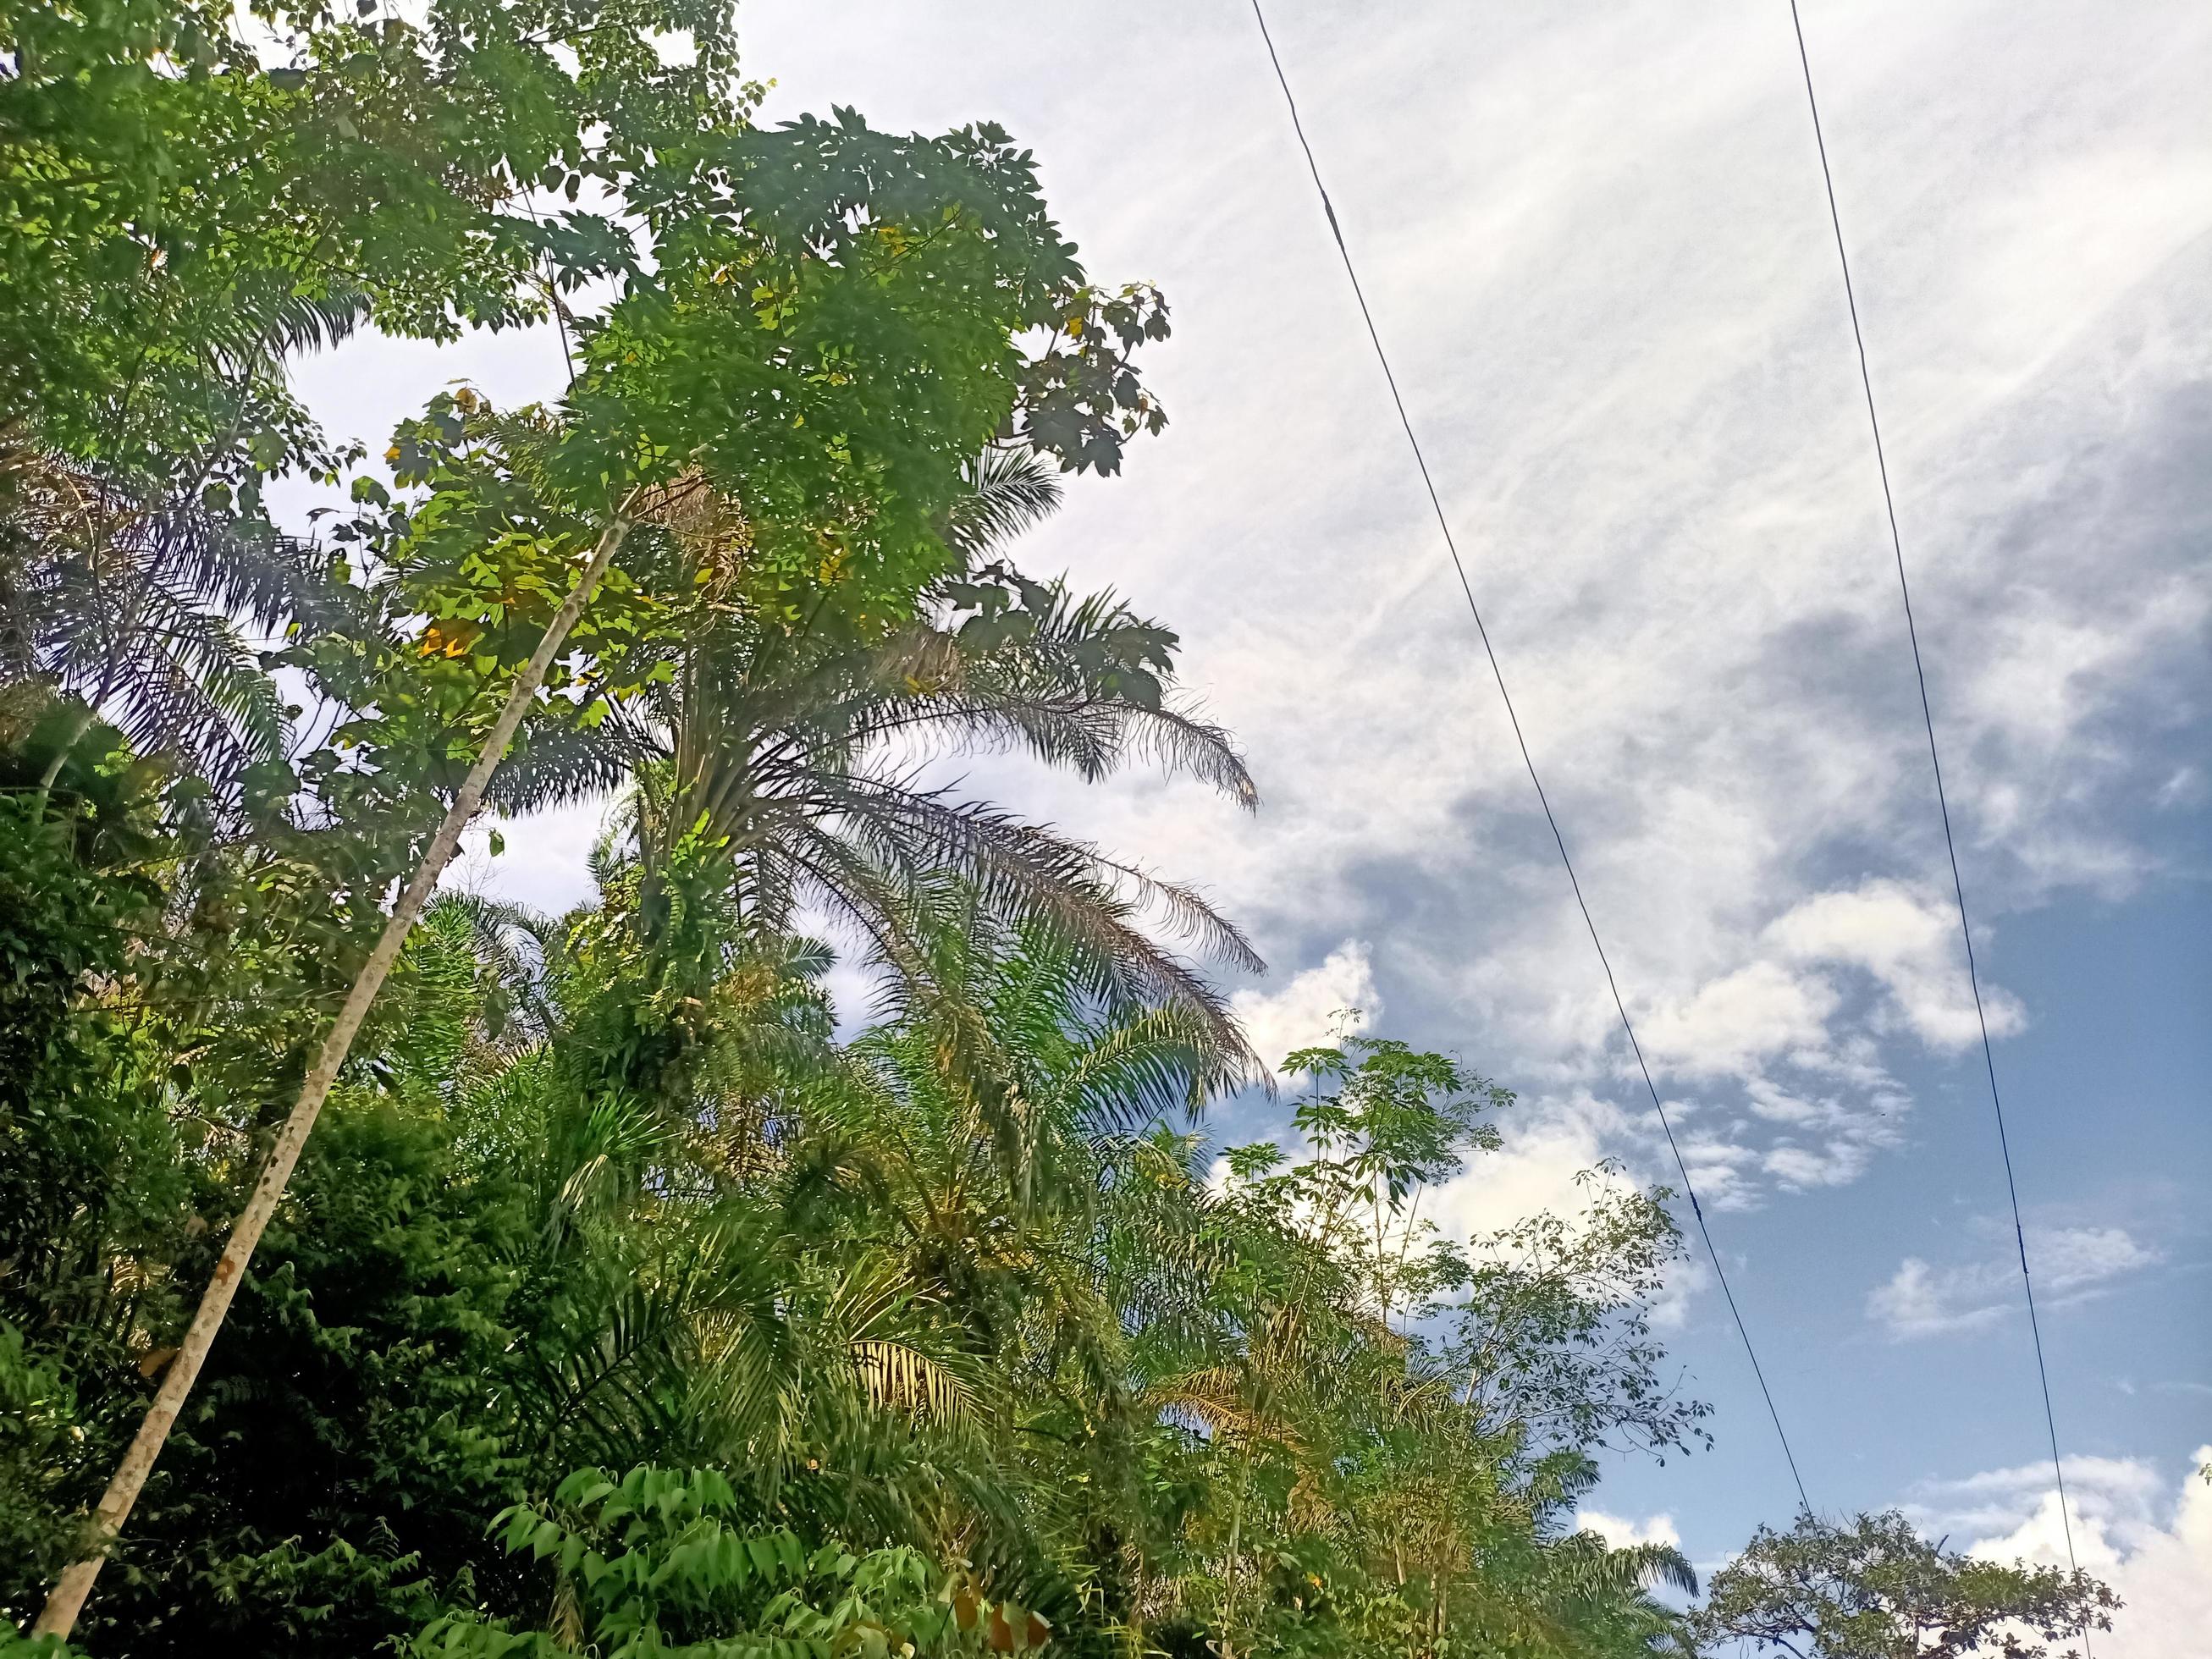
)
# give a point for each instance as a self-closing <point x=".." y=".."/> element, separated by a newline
<point x="1873" y="1588"/>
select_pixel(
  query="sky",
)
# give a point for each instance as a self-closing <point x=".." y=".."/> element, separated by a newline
<point x="1595" y="242"/>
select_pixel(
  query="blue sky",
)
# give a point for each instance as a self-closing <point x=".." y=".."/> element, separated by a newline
<point x="1595" y="242"/>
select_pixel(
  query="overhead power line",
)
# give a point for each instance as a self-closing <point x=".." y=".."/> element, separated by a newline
<point x="1558" y="840"/>
<point x="1942" y="801"/>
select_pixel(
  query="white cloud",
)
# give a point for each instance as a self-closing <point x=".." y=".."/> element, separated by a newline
<point x="1800" y="1029"/>
<point x="1918" y="1302"/>
<point x="2070" y="1264"/>
<point x="1721" y="1168"/>
<point x="1907" y="941"/>
<point x="1620" y="1534"/>
<point x="1995" y="1502"/>
<point x="2131" y="1528"/>
<point x="2185" y="787"/>
<point x="1838" y="1165"/>
<point x="1338" y="997"/>
<point x="1548" y="1142"/>
<point x="1731" y="1026"/>
<point x="2072" y="1260"/>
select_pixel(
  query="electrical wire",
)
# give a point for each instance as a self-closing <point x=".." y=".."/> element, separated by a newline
<point x="1558" y="840"/>
<point x="1942" y="801"/>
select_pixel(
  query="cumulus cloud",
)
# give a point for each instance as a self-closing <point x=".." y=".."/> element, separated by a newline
<point x="1549" y="1142"/>
<point x="1620" y="1534"/>
<point x="1733" y="1024"/>
<point x="2134" y="1527"/>
<point x="2071" y="1264"/>
<point x="1800" y="1029"/>
<point x="1337" y="998"/>
<point x="1907" y="942"/>
<point x="1875" y="958"/>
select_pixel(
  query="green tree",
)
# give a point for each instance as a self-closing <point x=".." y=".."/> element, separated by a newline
<point x="792" y="752"/>
<point x="1553" y="1328"/>
<point x="327" y="1486"/>
<point x="1351" y="1490"/>
<point x="189" y="197"/>
<point x="190" y="194"/>
<point x="1873" y="1589"/>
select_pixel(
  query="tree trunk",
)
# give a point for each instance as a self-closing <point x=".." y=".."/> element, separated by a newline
<point x="67" y="1597"/>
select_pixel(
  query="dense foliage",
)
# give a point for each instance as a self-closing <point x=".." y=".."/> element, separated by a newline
<point x="632" y="1297"/>
<point x="955" y="1296"/>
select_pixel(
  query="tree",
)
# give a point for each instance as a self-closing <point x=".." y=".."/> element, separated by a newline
<point x="1873" y="1589"/>
<point x="792" y="752"/>
<point x="1553" y="1329"/>
<point x="181" y="214"/>
<point x="1352" y="1490"/>
<point x="190" y="194"/>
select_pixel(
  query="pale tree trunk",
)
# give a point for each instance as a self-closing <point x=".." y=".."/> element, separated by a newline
<point x="67" y="1598"/>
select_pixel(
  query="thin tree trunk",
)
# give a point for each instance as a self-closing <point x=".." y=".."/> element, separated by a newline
<point x="67" y="1597"/>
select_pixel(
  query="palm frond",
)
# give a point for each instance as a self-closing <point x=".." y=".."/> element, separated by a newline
<point x="1008" y="491"/>
<point x="1585" y="1567"/>
<point x="558" y="764"/>
<point x="900" y="835"/>
<point x="900" y="1378"/>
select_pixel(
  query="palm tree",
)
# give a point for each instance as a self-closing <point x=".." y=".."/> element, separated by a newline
<point x="1026" y="1054"/>
<point x="136" y="613"/>
<point x="126" y="585"/>
<point x="799" y="753"/>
